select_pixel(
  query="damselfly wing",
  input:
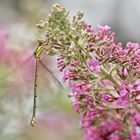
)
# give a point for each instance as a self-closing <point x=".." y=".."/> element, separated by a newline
<point x="33" y="72"/>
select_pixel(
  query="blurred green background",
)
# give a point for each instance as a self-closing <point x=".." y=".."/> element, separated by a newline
<point x="56" y="119"/>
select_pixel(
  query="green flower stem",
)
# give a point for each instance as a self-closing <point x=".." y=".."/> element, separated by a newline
<point x="110" y="77"/>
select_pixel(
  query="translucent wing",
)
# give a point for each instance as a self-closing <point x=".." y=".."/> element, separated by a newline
<point x="24" y="74"/>
<point x="18" y="77"/>
<point x="12" y="72"/>
<point x="57" y="82"/>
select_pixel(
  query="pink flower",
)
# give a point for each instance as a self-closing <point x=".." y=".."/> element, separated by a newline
<point x="138" y="99"/>
<point x="89" y="28"/>
<point x="137" y="86"/>
<point x="114" y="137"/>
<point x="93" y="65"/>
<point x="124" y="73"/>
<point x="123" y="97"/>
<point x="107" y="129"/>
<point x="66" y="74"/>
<point x="80" y="88"/>
<point x="103" y="29"/>
<point x="106" y="97"/>
<point x="137" y="82"/>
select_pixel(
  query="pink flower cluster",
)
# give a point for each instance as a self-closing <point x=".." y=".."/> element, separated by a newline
<point x="104" y="76"/>
<point x="105" y="86"/>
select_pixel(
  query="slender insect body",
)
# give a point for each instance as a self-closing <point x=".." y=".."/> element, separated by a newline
<point x="37" y="55"/>
<point x="33" y="120"/>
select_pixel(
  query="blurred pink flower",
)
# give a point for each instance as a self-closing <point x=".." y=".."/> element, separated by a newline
<point x="93" y="65"/>
<point x="103" y="29"/>
<point x="3" y="42"/>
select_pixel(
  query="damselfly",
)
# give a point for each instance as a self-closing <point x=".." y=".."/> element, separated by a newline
<point x="38" y="62"/>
